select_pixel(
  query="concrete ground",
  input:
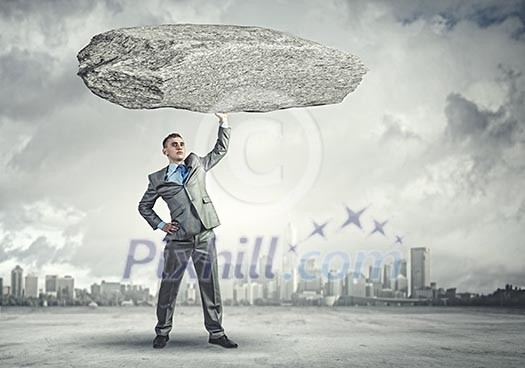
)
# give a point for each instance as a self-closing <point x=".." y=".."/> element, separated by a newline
<point x="267" y="337"/>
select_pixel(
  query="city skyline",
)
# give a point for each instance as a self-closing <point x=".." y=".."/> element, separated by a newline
<point x="387" y="281"/>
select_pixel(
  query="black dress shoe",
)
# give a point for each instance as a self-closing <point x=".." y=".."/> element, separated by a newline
<point x="160" y="341"/>
<point x="223" y="341"/>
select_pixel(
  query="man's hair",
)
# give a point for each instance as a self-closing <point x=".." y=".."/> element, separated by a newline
<point x="172" y="135"/>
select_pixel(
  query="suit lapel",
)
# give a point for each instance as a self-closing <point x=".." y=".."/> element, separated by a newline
<point x="190" y="164"/>
<point x="164" y="173"/>
<point x="160" y="175"/>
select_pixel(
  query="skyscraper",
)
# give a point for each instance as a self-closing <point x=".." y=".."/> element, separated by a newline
<point x="110" y="289"/>
<point x="290" y="284"/>
<point x="387" y="276"/>
<point x="354" y="286"/>
<point x="374" y="279"/>
<point x="51" y="284"/>
<point x="374" y="274"/>
<point x="401" y="284"/>
<point x="16" y="281"/>
<point x="314" y="281"/>
<point x="400" y="267"/>
<point x="420" y="269"/>
<point x="95" y="291"/>
<point x="334" y="285"/>
<point x="262" y="276"/>
<point x="66" y="287"/>
<point x="1" y="290"/>
<point x="31" y="286"/>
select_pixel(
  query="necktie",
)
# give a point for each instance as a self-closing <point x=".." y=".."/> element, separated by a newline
<point x="183" y="172"/>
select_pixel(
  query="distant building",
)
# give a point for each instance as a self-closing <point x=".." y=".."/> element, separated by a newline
<point x="51" y="285"/>
<point x="286" y="286"/>
<point x="256" y="290"/>
<point x="66" y="287"/>
<point x="422" y="293"/>
<point x="262" y="276"/>
<point x="95" y="291"/>
<point x="386" y="293"/>
<point x="420" y="269"/>
<point x="435" y="290"/>
<point x="374" y="274"/>
<point x="227" y="290"/>
<point x="369" y="290"/>
<point x="31" y="286"/>
<point x="109" y="289"/>
<point x="191" y="294"/>
<point x="374" y="281"/>
<point x="1" y="290"/>
<point x="334" y="285"/>
<point x="136" y="293"/>
<point x="401" y="284"/>
<point x="387" y="276"/>
<point x="273" y="288"/>
<point x="401" y="267"/>
<point x="451" y="293"/>
<point x="16" y="281"/>
<point x="240" y="293"/>
<point x="313" y="282"/>
<point x="248" y="292"/>
<point x="355" y="286"/>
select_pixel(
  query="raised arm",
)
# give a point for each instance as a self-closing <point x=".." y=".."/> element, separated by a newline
<point x="221" y="146"/>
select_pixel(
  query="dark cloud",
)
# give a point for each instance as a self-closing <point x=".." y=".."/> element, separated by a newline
<point x="39" y="253"/>
<point x="521" y="211"/>
<point x="35" y="84"/>
<point x="465" y="120"/>
<point x="484" y="13"/>
<point x="481" y="128"/>
<point x="47" y="9"/>
<point x="394" y="130"/>
<point x="491" y="13"/>
<point x="486" y="136"/>
<point x="39" y="76"/>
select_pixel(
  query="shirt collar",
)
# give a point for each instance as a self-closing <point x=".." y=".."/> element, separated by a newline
<point x="173" y="166"/>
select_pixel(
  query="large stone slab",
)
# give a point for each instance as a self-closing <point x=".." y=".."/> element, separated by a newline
<point x="208" y="68"/>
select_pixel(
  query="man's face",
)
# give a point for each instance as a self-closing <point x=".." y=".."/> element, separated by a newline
<point x="175" y="149"/>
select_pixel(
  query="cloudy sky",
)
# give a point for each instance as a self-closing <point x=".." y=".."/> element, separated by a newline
<point x="432" y="140"/>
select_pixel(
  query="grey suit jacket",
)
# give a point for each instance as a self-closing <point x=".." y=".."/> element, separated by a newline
<point x="189" y="200"/>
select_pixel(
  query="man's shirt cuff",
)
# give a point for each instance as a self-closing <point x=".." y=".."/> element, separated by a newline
<point x="161" y="225"/>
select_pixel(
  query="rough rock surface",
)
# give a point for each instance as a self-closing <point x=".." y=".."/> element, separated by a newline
<point x="208" y="68"/>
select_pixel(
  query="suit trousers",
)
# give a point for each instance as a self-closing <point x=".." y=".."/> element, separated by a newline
<point x="201" y="249"/>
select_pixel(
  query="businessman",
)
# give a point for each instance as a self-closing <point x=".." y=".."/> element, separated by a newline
<point x="190" y="233"/>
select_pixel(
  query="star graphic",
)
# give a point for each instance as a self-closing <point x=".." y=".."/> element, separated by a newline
<point x="292" y="248"/>
<point x="319" y="229"/>
<point x="353" y="217"/>
<point x="399" y="239"/>
<point x="378" y="227"/>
